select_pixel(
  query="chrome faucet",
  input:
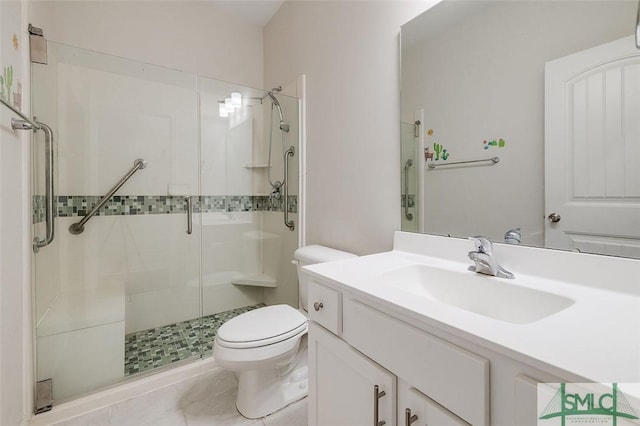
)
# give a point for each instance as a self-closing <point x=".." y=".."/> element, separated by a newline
<point x="486" y="262"/>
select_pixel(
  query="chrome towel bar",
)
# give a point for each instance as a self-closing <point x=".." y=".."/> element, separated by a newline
<point x="78" y="227"/>
<point x="493" y="160"/>
<point x="25" y="123"/>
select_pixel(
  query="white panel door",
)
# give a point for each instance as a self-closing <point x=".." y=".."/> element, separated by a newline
<point x="592" y="150"/>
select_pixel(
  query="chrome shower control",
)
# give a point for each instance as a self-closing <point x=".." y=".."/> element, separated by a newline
<point x="317" y="306"/>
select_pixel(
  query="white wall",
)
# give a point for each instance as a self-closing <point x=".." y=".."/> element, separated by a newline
<point x="493" y="88"/>
<point x="15" y="214"/>
<point x="192" y="36"/>
<point x="349" y="53"/>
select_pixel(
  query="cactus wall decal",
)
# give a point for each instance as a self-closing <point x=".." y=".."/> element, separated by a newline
<point x="440" y="152"/>
<point x="437" y="148"/>
<point x="8" y="82"/>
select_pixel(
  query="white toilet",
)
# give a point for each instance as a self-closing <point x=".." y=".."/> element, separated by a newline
<point x="267" y="347"/>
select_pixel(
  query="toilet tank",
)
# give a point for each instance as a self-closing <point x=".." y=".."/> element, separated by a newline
<point x="310" y="255"/>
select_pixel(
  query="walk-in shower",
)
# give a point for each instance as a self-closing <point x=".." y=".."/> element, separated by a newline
<point x="144" y="268"/>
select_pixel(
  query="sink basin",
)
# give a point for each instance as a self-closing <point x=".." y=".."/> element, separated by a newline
<point x="482" y="294"/>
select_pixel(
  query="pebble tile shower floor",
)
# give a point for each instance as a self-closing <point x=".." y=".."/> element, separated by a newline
<point x="148" y="349"/>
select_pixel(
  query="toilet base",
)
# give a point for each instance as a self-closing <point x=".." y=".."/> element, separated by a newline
<point x="273" y="393"/>
<point x="262" y="392"/>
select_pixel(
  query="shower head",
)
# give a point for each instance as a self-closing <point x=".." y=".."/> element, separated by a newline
<point x="274" y="101"/>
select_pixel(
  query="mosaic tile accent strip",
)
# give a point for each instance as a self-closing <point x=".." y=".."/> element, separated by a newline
<point x="210" y="203"/>
<point x="272" y="204"/>
<point x="118" y="205"/>
<point x="239" y="203"/>
<point x="161" y="346"/>
<point x="412" y="200"/>
<point x="39" y="208"/>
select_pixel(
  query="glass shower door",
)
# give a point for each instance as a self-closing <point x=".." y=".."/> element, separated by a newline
<point x="246" y="247"/>
<point x="123" y="296"/>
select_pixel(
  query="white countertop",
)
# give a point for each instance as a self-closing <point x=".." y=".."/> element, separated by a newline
<point x="597" y="338"/>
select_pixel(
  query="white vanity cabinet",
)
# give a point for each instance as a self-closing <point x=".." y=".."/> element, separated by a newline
<point x="343" y="384"/>
<point x="436" y="380"/>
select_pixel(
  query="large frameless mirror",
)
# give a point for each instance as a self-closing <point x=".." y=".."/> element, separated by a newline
<point x="521" y="121"/>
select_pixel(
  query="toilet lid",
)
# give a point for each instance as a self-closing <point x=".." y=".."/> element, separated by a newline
<point x="261" y="327"/>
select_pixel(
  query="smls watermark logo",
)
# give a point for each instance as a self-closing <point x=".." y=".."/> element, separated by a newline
<point x="585" y="403"/>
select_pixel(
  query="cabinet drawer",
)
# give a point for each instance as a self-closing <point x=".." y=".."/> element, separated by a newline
<point x="453" y="377"/>
<point x="325" y="306"/>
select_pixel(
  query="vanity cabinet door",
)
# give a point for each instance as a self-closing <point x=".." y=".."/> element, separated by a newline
<point x="423" y="411"/>
<point x="342" y="384"/>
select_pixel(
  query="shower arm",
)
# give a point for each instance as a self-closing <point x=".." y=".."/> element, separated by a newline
<point x="78" y="228"/>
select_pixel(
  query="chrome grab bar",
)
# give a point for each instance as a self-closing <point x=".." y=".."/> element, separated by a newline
<point x="189" y="214"/>
<point x="493" y="160"/>
<point x="78" y="227"/>
<point x="288" y="223"/>
<point x="49" y="173"/>
<point x="408" y="164"/>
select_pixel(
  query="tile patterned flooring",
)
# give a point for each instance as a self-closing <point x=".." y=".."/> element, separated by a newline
<point x="160" y="346"/>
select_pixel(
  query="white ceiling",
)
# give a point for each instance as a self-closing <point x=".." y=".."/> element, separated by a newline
<point x="257" y="12"/>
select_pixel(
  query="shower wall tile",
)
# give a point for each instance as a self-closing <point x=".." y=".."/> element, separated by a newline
<point x="157" y="123"/>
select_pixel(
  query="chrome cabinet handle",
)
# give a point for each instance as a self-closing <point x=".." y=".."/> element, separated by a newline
<point x="408" y="418"/>
<point x="377" y="394"/>
<point x="288" y="223"/>
<point x="189" y="214"/>
<point x="554" y="218"/>
<point x="317" y="306"/>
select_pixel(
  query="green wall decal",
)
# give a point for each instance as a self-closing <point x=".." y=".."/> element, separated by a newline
<point x="8" y="82"/>
<point x="441" y="153"/>
<point x="500" y="143"/>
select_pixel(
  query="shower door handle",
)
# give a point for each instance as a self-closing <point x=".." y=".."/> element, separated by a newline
<point x="189" y="214"/>
<point x="49" y="184"/>
<point x="288" y="223"/>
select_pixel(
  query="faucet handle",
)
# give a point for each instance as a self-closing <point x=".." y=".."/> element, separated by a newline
<point x="483" y="244"/>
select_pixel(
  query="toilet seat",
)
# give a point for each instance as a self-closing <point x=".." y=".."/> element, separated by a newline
<point x="261" y="327"/>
